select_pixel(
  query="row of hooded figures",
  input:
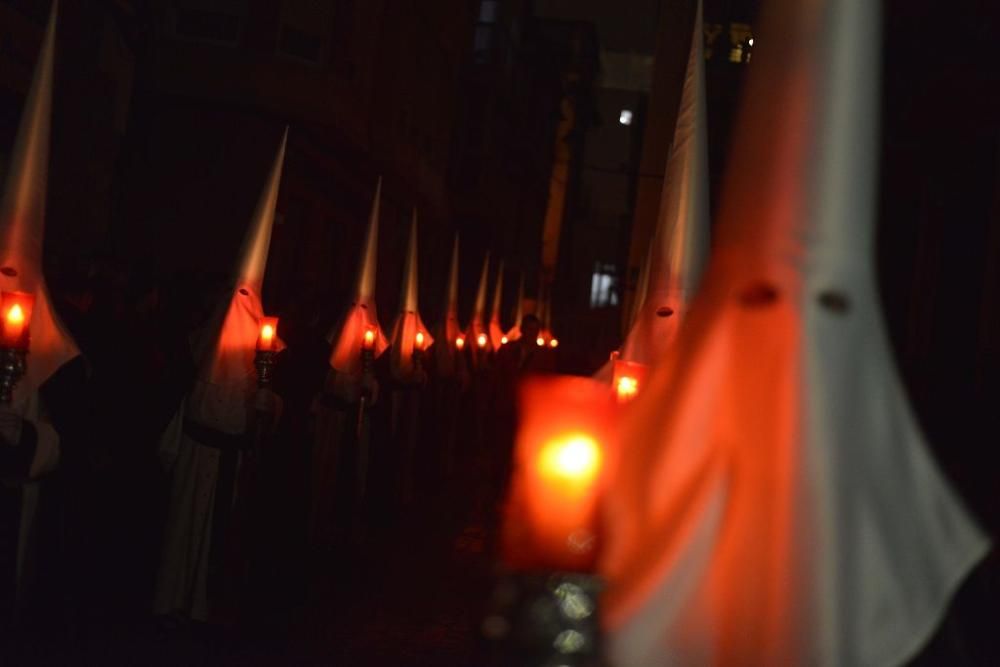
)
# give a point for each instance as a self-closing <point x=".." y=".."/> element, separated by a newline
<point x="771" y="499"/>
<point x="212" y="448"/>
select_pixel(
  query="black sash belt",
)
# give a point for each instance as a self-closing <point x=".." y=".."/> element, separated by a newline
<point x="214" y="438"/>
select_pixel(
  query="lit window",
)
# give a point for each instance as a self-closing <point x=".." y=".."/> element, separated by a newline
<point x="603" y="286"/>
<point x="625" y="117"/>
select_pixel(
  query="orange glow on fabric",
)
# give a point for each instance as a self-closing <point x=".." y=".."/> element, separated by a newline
<point x="16" y="311"/>
<point x="268" y="333"/>
<point x="552" y="522"/>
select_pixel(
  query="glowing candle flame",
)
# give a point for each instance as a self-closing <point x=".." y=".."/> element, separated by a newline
<point x="420" y="340"/>
<point x="369" y="342"/>
<point x="15" y="315"/>
<point x="553" y="343"/>
<point x="540" y="341"/>
<point x="627" y="388"/>
<point x="16" y="308"/>
<point x="268" y="333"/>
<point x="503" y="340"/>
<point x="573" y="461"/>
<point x="459" y="342"/>
<point x="481" y="340"/>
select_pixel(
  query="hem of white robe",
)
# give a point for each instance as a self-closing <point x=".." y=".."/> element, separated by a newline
<point x="921" y="632"/>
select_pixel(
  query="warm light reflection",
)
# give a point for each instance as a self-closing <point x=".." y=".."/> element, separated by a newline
<point x="15" y="315"/>
<point x="460" y="342"/>
<point x="481" y="340"/>
<point x="554" y="342"/>
<point x="627" y="388"/>
<point x="540" y="341"/>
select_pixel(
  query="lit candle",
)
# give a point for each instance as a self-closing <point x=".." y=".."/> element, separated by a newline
<point x="268" y="333"/>
<point x="503" y="340"/>
<point x="627" y="388"/>
<point x="552" y="513"/>
<point x="481" y="340"/>
<point x="554" y="343"/>
<point x="628" y="379"/>
<point x="540" y="341"/>
<point x="419" y="340"/>
<point x="459" y="342"/>
<point x="369" y="340"/>
<point x="15" y="312"/>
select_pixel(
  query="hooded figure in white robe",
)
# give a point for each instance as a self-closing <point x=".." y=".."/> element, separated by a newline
<point x="772" y="501"/>
<point x="450" y="377"/>
<point x="29" y="441"/>
<point x="342" y="434"/>
<point x="670" y="273"/>
<point x="410" y="341"/>
<point x="216" y="422"/>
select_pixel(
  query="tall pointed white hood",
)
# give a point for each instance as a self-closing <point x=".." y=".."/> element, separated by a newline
<point x="447" y="358"/>
<point x="515" y="331"/>
<point x="496" y="329"/>
<point x="478" y="325"/>
<point x="22" y="223"/>
<point x="226" y="352"/>
<point x="774" y="502"/>
<point x="347" y="339"/>
<point x="680" y="242"/>
<point x="408" y="322"/>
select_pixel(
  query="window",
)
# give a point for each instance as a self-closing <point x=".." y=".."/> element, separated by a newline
<point x="603" y="286"/>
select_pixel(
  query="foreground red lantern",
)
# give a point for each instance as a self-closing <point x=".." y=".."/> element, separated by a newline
<point x="561" y="454"/>
<point x="15" y="315"/>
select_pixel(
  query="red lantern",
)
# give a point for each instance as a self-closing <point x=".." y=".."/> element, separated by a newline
<point x="268" y="334"/>
<point x="560" y="461"/>
<point x="629" y="379"/>
<point x="15" y="315"/>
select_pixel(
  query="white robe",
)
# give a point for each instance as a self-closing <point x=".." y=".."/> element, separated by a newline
<point x="182" y="581"/>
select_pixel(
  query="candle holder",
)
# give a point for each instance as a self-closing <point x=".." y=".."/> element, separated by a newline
<point x="13" y="364"/>
<point x="545" y="620"/>
<point x="263" y="361"/>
